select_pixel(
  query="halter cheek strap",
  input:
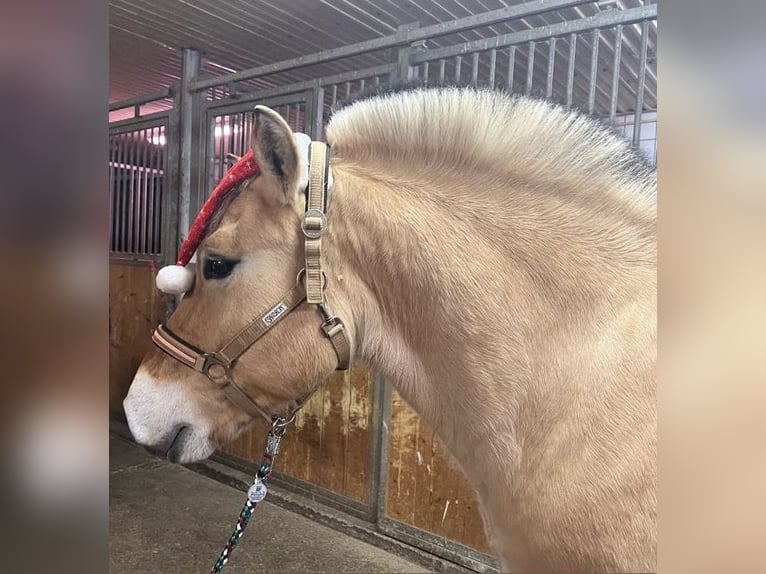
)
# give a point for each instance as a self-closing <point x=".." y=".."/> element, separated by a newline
<point x="217" y="365"/>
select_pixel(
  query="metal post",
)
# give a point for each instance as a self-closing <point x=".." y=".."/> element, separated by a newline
<point x="315" y="121"/>
<point x="404" y="71"/>
<point x="381" y="418"/>
<point x="191" y="64"/>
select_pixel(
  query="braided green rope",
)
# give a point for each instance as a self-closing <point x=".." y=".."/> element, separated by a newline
<point x="255" y="494"/>
<point x="244" y="518"/>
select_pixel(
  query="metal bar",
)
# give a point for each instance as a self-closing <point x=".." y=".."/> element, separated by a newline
<point x="238" y="106"/>
<point x="347" y="90"/>
<point x="131" y="236"/>
<point x="191" y="65"/>
<point x="140" y="100"/>
<point x="334" y="94"/>
<point x="361" y="85"/>
<point x="641" y="85"/>
<point x="304" y="488"/>
<point x="122" y="195"/>
<point x="221" y="153"/>
<point x="425" y="72"/>
<point x="475" y="69"/>
<point x="551" y="65"/>
<point x="458" y="68"/>
<point x="145" y="196"/>
<point x="601" y="20"/>
<point x="593" y="70"/>
<point x="511" y="67"/>
<point x="492" y="65"/>
<point x="162" y="186"/>
<point x="530" y="67"/>
<point x="150" y="195"/>
<point x="442" y="66"/>
<point x="112" y="195"/>
<point x="169" y="190"/>
<point x="133" y="124"/>
<point x="381" y="419"/>
<point x="571" y="68"/>
<point x="404" y="36"/>
<point x="242" y="119"/>
<point x="317" y="108"/>
<point x="439" y="546"/>
<point x="301" y="87"/>
<point x="616" y="64"/>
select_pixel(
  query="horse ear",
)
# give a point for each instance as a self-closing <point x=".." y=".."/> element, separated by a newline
<point x="276" y="153"/>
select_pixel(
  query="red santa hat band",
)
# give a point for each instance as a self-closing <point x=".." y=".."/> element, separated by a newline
<point x="177" y="279"/>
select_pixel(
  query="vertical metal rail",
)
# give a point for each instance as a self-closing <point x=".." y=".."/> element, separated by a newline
<point x="475" y="69"/>
<point x="151" y="188"/>
<point x="130" y="164"/>
<point x="511" y="68"/>
<point x="442" y="67"/>
<point x="530" y="67"/>
<point x="458" y="68"/>
<point x="551" y="63"/>
<point x="112" y="195"/>
<point x="593" y="70"/>
<point x="191" y="64"/>
<point x="641" y="84"/>
<point x="616" y="63"/>
<point x="145" y="195"/>
<point x="425" y="72"/>
<point x="571" y="68"/>
<point x="379" y="440"/>
<point x="492" y="65"/>
<point x="317" y="113"/>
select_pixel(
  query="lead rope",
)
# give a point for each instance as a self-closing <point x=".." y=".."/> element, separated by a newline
<point x="256" y="493"/>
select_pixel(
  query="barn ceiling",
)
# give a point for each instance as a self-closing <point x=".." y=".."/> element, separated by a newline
<point x="146" y="36"/>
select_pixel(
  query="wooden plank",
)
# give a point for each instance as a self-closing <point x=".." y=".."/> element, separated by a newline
<point x="426" y="488"/>
<point x="328" y="445"/>
<point x="136" y="307"/>
<point x="358" y="471"/>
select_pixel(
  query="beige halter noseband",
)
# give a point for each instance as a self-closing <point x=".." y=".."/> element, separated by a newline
<point x="311" y="283"/>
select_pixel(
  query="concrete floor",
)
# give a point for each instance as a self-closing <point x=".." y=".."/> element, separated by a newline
<point x="166" y="518"/>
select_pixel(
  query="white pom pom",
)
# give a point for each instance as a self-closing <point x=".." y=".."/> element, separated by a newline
<point x="174" y="279"/>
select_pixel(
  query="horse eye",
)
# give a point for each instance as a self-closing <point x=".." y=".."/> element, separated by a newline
<point x="217" y="268"/>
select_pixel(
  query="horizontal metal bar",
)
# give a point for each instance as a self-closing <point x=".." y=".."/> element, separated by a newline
<point x="312" y="491"/>
<point x="144" y="122"/>
<point x="601" y="20"/>
<point x="402" y="37"/>
<point x="239" y="105"/>
<point x="140" y="100"/>
<point x="145" y="259"/>
<point x="438" y="545"/>
<point x="303" y="86"/>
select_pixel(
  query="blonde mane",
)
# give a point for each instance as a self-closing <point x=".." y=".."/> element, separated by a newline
<point x="447" y="133"/>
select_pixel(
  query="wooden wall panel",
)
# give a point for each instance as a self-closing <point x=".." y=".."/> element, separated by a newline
<point x="424" y="488"/>
<point x="135" y="309"/>
<point x="328" y="445"/>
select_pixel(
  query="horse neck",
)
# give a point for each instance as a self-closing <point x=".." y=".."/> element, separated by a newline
<point x="446" y="290"/>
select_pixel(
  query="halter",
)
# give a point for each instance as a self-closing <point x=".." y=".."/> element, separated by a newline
<point x="311" y="283"/>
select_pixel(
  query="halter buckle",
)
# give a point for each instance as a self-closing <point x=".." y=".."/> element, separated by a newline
<point x="332" y="327"/>
<point x="314" y="223"/>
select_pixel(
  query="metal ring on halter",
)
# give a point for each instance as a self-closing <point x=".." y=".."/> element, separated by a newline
<point x="302" y="274"/>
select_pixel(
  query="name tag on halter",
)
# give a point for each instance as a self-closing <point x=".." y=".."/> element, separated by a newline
<point x="269" y="318"/>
